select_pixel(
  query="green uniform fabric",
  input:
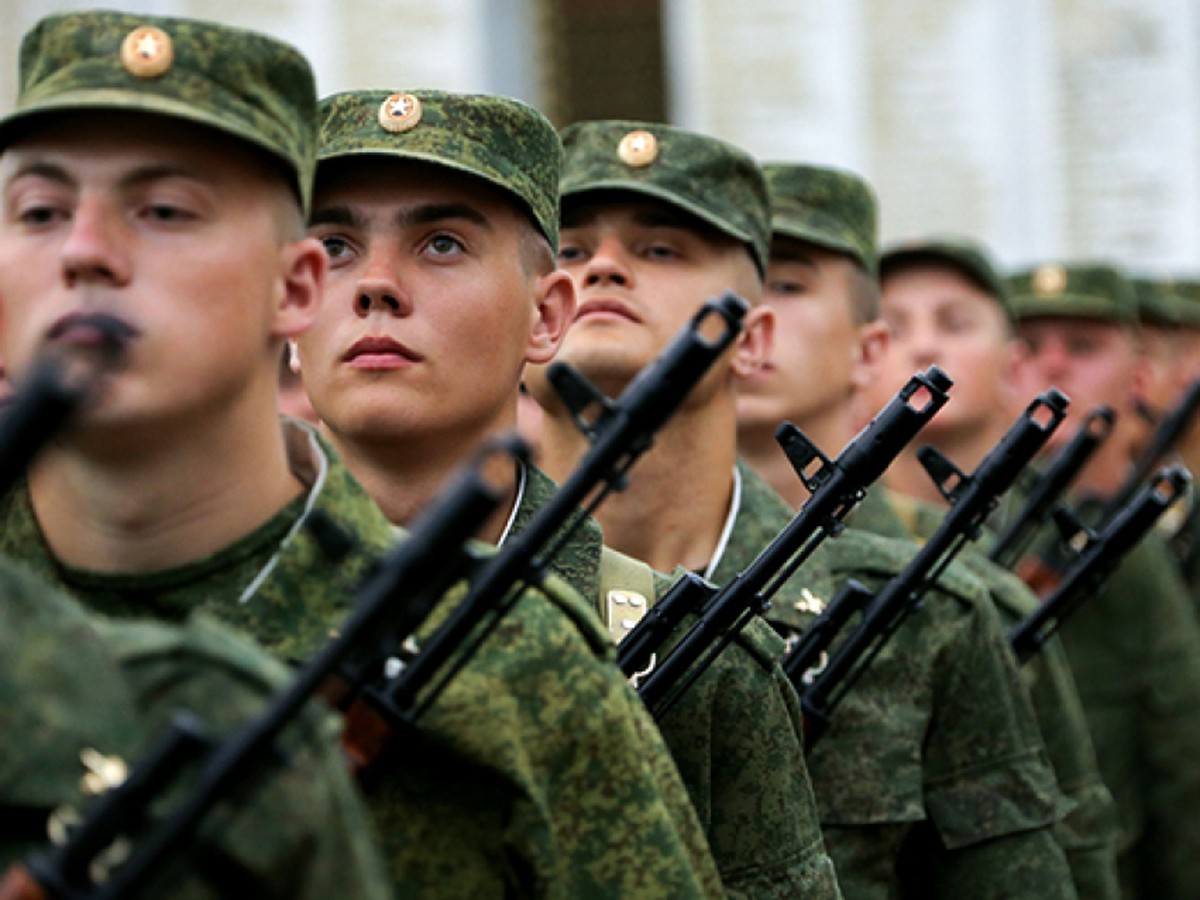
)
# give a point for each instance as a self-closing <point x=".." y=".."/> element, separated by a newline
<point x="1088" y="835"/>
<point x="1182" y="535"/>
<point x="932" y="779"/>
<point x="517" y="781"/>
<point x="735" y="738"/>
<point x="1134" y="647"/>
<point x="74" y="682"/>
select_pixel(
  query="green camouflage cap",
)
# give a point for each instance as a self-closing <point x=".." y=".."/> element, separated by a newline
<point x="703" y="176"/>
<point x="1186" y="292"/>
<point x="241" y="83"/>
<point x="506" y="143"/>
<point x="966" y="256"/>
<point x="1084" y="291"/>
<point x="829" y="207"/>
<point x="1156" y="303"/>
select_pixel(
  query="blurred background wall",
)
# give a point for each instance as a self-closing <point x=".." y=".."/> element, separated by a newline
<point x="1047" y="128"/>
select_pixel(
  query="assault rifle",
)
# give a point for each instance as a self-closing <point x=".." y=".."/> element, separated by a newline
<point x="619" y="433"/>
<point x="60" y="381"/>
<point x="836" y="487"/>
<point x="1100" y="555"/>
<point x="1170" y="429"/>
<point x="1016" y="537"/>
<point x="972" y="498"/>
<point x="396" y="599"/>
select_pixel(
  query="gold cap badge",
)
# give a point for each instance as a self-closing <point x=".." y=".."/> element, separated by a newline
<point x="399" y="113"/>
<point x="1049" y="280"/>
<point x="147" y="52"/>
<point x="637" y="149"/>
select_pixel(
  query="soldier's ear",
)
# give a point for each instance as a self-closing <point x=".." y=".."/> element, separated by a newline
<point x="553" y="311"/>
<point x="869" y="349"/>
<point x="753" y="346"/>
<point x="301" y="286"/>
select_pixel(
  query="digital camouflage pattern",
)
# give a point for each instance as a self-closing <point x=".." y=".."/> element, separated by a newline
<point x="1082" y="291"/>
<point x="1187" y="295"/>
<point x="239" y="82"/>
<point x="1088" y="834"/>
<point x="528" y="773"/>
<point x="932" y="779"/>
<point x="966" y="256"/>
<point x="75" y="682"/>
<point x="506" y="143"/>
<point x="1156" y="303"/>
<point x="717" y="182"/>
<point x="1134" y="648"/>
<point x="830" y="207"/>
<point x="734" y="734"/>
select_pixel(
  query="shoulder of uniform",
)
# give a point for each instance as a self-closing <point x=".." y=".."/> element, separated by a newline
<point x="857" y="553"/>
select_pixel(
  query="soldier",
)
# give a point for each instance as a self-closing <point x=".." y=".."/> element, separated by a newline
<point x="70" y="718"/>
<point x="417" y="357"/>
<point x="945" y="304"/>
<point x="158" y="171"/>
<point x="654" y="221"/>
<point x="1135" y="645"/>
<point x="887" y="826"/>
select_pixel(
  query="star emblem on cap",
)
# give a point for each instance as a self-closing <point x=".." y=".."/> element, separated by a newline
<point x="1049" y="281"/>
<point x="147" y="52"/>
<point x="637" y="149"/>
<point x="399" y="113"/>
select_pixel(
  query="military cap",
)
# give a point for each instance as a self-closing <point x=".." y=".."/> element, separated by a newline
<point x="238" y="82"/>
<point x="502" y="141"/>
<point x="1156" y="303"/>
<point x="829" y="207"/>
<point x="1080" y="290"/>
<point x="706" y="177"/>
<point x="1186" y="292"/>
<point x="966" y="256"/>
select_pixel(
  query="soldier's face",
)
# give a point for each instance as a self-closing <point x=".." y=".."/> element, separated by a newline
<point x="430" y="310"/>
<point x="1094" y="363"/>
<point x="168" y="228"/>
<point x="938" y="317"/>
<point x="816" y="357"/>
<point x="641" y="271"/>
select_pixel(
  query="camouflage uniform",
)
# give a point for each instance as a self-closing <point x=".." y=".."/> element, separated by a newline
<point x="516" y="782"/>
<point x="731" y="734"/>
<point x="931" y="779"/>
<point x="300" y="832"/>
<point x="1088" y="835"/>
<point x="1134" y="648"/>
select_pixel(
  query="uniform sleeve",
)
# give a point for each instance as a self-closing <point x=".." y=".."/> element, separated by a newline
<point x="735" y="736"/>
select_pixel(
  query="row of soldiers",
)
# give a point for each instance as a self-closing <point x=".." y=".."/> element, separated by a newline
<point x="428" y="259"/>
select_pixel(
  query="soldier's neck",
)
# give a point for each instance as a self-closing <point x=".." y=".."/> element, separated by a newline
<point x="966" y="448"/>
<point x="156" y="501"/>
<point x="763" y="454"/>
<point x="675" y="506"/>
<point x="404" y="476"/>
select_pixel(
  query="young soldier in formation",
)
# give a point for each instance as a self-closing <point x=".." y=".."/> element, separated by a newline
<point x="1134" y="646"/>
<point x="158" y="171"/>
<point x="892" y="826"/>
<point x="441" y="236"/>
<point x="86" y="696"/>
<point x="945" y="304"/>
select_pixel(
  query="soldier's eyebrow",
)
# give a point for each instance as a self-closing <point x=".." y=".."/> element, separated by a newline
<point x="791" y="254"/>
<point x="429" y="213"/>
<point x="336" y="215"/>
<point x="42" y="169"/>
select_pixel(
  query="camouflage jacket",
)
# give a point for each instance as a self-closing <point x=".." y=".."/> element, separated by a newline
<point x="1134" y="648"/>
<point x="1088" y="835"/>
<point x="1182" y="533"/>
<point x="527" y="774"/>
<point x="931" y="780"/>
<point x="301" y="831"/>
<point x="732" y="734"/>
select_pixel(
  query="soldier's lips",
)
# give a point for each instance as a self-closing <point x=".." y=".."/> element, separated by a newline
<point x="92" y="329"/>
<point x="605" y="309"/>
<point x="380" y="353"/>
